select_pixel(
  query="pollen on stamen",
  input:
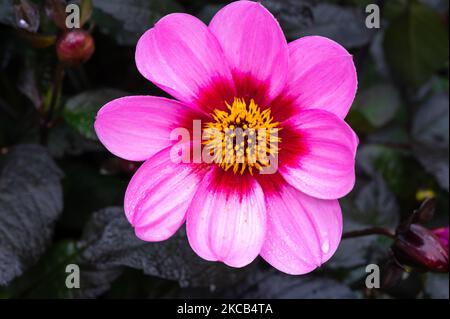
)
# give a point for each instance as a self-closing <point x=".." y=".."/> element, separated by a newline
<point x="243" y="137"/>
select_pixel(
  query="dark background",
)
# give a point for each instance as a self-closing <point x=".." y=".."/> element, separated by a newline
<point x="61" y="192"/>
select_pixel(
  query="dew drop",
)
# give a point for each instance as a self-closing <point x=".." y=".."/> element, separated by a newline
<point x="23" y="23"/>
<point x="326" y="246"/>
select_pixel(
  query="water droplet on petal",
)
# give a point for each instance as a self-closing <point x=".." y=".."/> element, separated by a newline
<point x="23" y="24"/>
<point x="326" y="246"/>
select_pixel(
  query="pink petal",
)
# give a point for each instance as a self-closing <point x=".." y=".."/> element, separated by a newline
<point x="322" y="75"/>
<point x="302" y="232"/>
<point x="255" y="47"/>
<point x="159" y="195"/>
<point x="227" y="219"/>
<point x="137" y="127"/>
<point x="442" y="233"/>
<point x="181" y="56"/>
<point x="318" y="154"/>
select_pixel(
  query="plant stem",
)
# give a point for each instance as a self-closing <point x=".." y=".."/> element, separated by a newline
<point x="56" y="89"/>
<point x="369" y="231"/>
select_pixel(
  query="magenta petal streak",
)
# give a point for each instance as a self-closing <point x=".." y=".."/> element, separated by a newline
<point x="227" y="219"/>
<point x="159" y="194"/>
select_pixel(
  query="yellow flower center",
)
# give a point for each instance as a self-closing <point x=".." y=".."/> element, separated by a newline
<point x="242" y="137"/>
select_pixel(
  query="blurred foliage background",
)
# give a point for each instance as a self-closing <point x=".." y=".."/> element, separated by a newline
<point x="61" y="192"/>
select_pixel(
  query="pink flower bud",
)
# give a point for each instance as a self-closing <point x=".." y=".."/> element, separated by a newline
<point x="420" y="247"/>
<point x="442" y="234"/>
<point x="75" y="47"/>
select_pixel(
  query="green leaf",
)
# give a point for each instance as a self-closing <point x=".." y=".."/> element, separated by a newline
<point x="81" y="179"/>
<point x="344" y="24"/>
<point x="208" y="12"/>
<point x="440" y="6"/>
<point x="64" y="140"/>
<point x="376" y="204"/>
<point x="430" y="133"/>
<point x="359" y="122"/>
<point x="436" y="286"/>
<point x="371" y="203"/>
<point x="47" y="279"/>
<point x="111" y="242"/>
<point x="431" y="122"/>
<point x="7" y="12"/>
<point x="416" y="44"/>
<point x="127" y="20"/>
<point x="394" y="8"/>
<point x="379" y="104"/>
<point x="80" y="110"/>
<point x="357" y="252"/>
<point x="440" y="85"/>
<point x="133" y="284"/>
<point x="30" y="203"/>
<point x="273" y="284"/>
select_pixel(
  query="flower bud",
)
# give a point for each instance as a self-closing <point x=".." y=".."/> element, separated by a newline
<point x="392" y="274"/>
<point x="27" y="16"/>
<point x="421" y="248"/>
<point x="442" y="234"/>
<point x="75" y="47"/>
<point x="425" y="212"/>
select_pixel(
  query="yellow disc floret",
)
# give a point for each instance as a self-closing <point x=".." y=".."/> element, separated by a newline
<point x="242" y="137"/>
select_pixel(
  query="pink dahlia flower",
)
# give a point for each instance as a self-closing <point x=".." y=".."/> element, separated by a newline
<point x="239" y="72"/>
